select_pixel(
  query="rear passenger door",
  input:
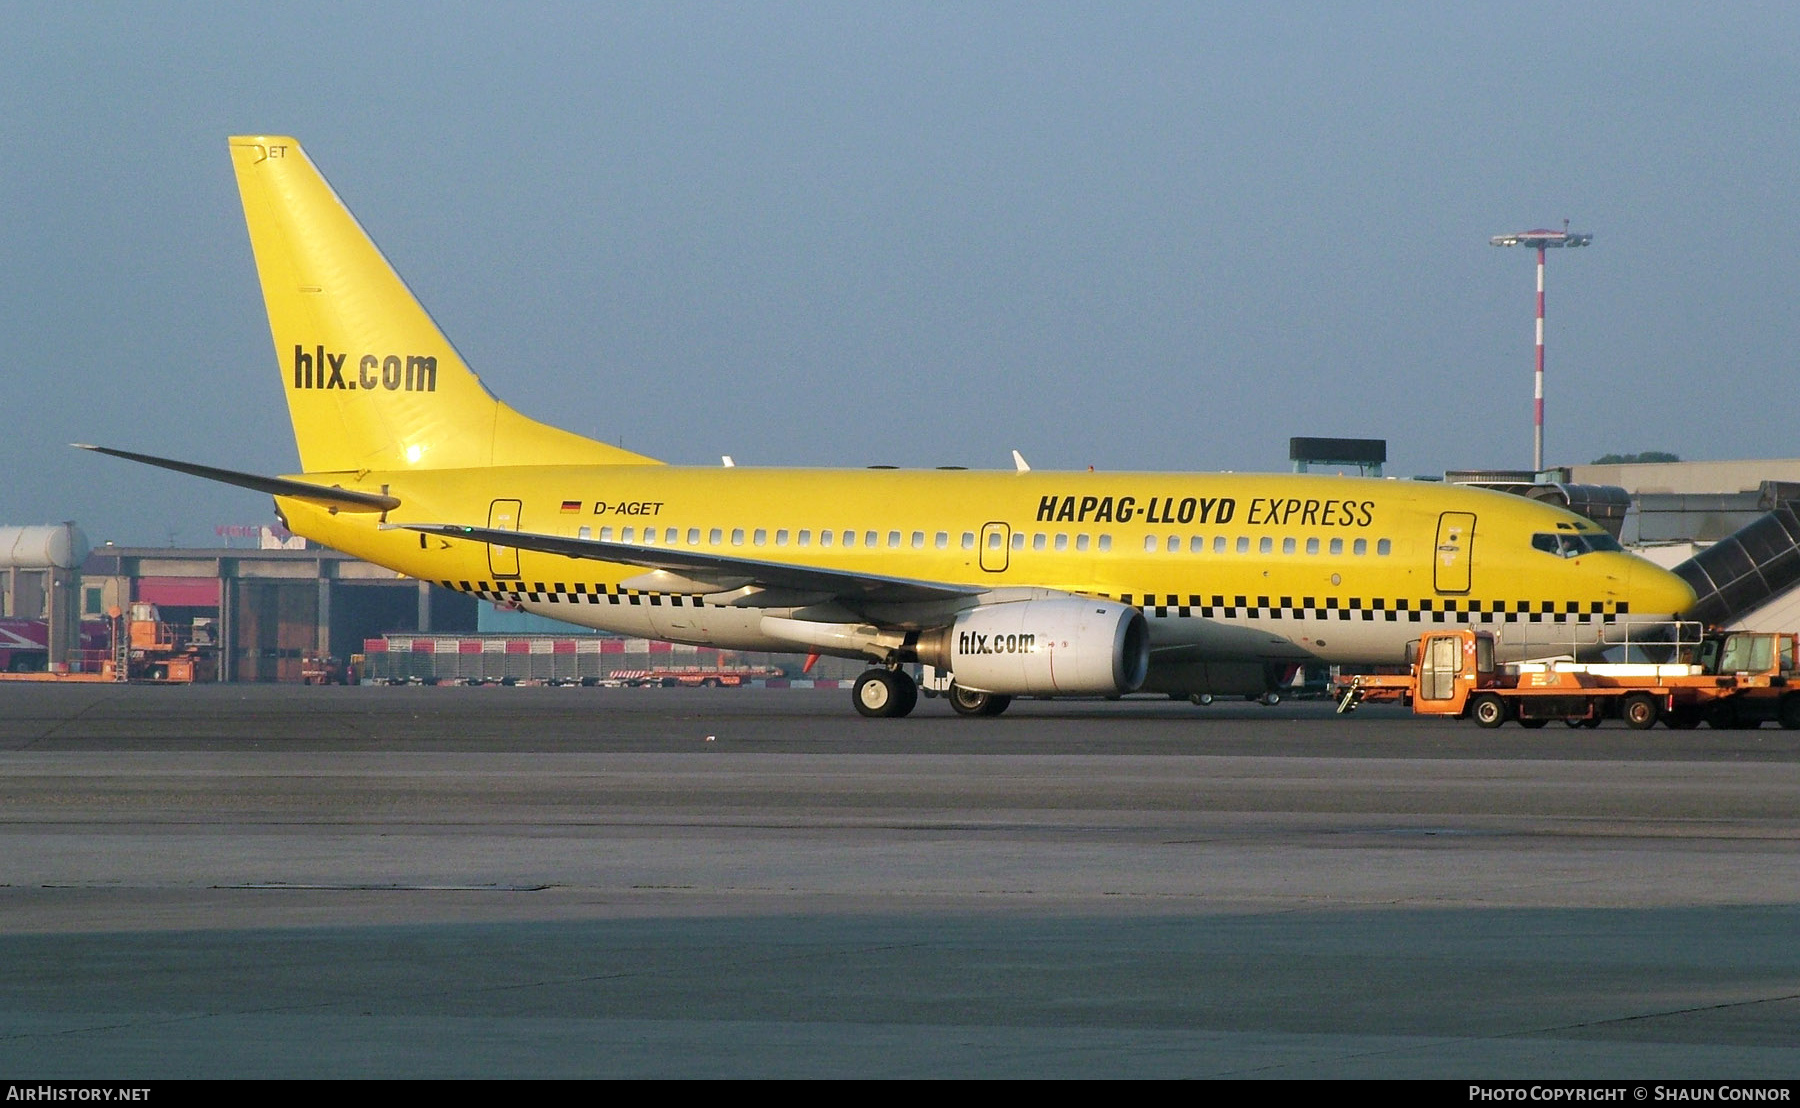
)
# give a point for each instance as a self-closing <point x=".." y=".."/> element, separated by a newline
<point x="503" y="515"/>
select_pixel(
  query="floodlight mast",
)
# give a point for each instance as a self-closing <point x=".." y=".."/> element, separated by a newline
<point x="1543" y="240"/>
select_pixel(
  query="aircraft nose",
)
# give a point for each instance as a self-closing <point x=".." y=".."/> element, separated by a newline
<point x="1656" y="592"/>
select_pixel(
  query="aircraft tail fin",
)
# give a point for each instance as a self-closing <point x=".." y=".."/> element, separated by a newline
<point x="371" y="382"/>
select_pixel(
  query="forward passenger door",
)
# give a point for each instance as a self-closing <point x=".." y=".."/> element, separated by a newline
<point x="1455" y="547"/>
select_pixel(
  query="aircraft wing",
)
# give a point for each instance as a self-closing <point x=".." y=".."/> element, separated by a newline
<point x="694" y="572"/>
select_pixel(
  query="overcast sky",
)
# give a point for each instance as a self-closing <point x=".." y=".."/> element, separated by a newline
<point x="1131" y="236"/>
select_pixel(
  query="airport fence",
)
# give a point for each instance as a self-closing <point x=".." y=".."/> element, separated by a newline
<point x="588" y="658"/>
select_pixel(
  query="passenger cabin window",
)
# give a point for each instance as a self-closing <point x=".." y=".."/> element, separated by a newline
<point x="1383" y="548"/>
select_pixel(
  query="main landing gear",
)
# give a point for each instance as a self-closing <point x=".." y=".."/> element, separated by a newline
<point x="886" y="693"/>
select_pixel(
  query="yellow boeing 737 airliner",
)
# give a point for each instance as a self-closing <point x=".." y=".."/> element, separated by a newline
<point x="1017" y="583"/>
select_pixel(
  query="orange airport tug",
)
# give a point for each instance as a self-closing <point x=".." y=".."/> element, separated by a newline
<point x="1733" y="680"/>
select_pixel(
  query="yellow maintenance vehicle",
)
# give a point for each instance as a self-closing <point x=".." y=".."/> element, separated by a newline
<point x="1731" y="680"/>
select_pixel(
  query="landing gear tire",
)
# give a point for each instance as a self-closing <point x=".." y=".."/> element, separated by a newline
<point x="884" y="694"/>
<point x="1270" y="699"/>
<point x="968" y="702"/>
<point x="1639" y="712"/>
<point x="1200" y="699"/>
<point x="1488" y="711"/>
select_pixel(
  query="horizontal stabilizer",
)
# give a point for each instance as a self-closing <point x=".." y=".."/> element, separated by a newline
<point x="332" y="496"/>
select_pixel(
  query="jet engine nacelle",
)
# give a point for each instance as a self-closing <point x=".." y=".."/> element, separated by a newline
<point x="1066" y="647"/>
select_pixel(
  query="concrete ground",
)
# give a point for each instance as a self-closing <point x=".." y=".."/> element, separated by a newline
<point x="269" y="881"/>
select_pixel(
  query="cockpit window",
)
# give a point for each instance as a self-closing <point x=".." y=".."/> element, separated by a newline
<point x="1574" y="545"/>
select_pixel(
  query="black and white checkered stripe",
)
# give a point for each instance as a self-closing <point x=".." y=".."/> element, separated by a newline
<point x="559" y="592"/>
<point x="1374" y="609"/>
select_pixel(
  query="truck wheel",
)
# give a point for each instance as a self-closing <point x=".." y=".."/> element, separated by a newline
<point x="1639" y="712"/>
<point x="1488" y="710"/>
<point x="1790" y="711"/>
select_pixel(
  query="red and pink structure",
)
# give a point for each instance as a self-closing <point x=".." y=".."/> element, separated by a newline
<point x="1542" y="239"/>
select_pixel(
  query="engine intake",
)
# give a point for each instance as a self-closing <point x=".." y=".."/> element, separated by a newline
<point x="1066" y="646"/>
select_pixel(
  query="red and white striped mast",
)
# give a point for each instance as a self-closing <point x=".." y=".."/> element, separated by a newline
<point x="1543" y="240"/>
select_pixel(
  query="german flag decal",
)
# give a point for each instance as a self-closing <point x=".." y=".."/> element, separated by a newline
<point x="571" y="506"/>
